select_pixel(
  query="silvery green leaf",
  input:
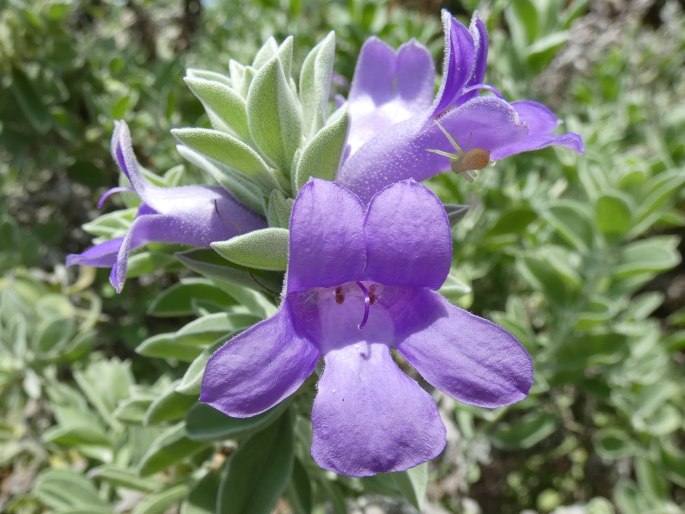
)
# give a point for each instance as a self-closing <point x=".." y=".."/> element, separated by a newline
<point x="259" y="471"/>
<point x="209" y="264"/>
<point x="265" y="249"/>
<point x="167" y="449"/>
<point x="278" y="209"/>
<point x="162" y="501"/>
<point x="236" y="71"/>
<point x="268" y="50"/>
<point x="248" y="75"/>
<point x="235" y="183"/>
<point x="110" y="225"/>
<point x="191" y="381"/>
<point x="285" y="54"/>
<point x="224" y="102"/>
<point x="63" y="489"/>
<point x="208" y="75"/>
<point x="273" y="114"/>
<point x="315" y="84"/>
<point x="321" y="157"/>
<point x="413" y="484"/>
<point x="168" y="406"/>
<point x="229" y="151"/>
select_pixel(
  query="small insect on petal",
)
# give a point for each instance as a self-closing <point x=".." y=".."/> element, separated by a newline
<point x="463" y="161"/>
<point x="475" y="159"/>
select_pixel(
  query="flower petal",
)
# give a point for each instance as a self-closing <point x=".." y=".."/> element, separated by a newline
<point x="480" y="37"/>
<point x="258" y="368"/>
<point x="467" y="357"/>
<point x="369" y="417"/>
<point x="215" y="213"/>
<point x="415" y="76"/>
<point x="388" y="88"/>
<point x="144" y="229"/>
<point x="569" y="140"/>
<point x="102" y="255"/>
<point x="458" y="62"/>
<point x="374" y="75"/>
<point x="485" y="122"/>
<point x="122" y="152"/>
<point x="408" y="237"/>
<point x="402" y="151"/>
<point x="326" y="237"/>
<point x="538" y="117"/>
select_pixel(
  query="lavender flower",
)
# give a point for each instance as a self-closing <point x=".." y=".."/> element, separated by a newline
<point x="393" y="113"/>
<point x="360" y="282"/>
<point x="191" y="215"/>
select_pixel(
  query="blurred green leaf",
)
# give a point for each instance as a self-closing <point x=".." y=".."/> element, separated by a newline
<point x="613" y="215"/>
<point x="179" y="299"/>
<point x="64" y="489"/>
<point x="204" y="423"/>
<point x="159" y="503"/>
<point x="526" y="432"/>
<point x="204" y="496"/>
<point x="168" y="449"/>
<point x="258" y="473"/>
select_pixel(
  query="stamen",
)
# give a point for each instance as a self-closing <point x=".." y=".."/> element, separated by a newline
<point x="367" y="304"/>
<point x="339" y="296"/>
<point x="372" y="293"/>
<point x="486" y="87"/>
<point x="110" y="192"/>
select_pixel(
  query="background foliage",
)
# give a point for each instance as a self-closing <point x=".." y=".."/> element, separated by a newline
<point x="579" y="257"/>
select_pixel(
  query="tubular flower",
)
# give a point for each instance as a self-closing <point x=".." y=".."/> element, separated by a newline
<point x="360" y="283"/>
<point x="191" y="215"/>
<point x="396" y="123"/>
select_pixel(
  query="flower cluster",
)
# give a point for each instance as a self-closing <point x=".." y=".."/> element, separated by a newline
<point x="365" y="254"/>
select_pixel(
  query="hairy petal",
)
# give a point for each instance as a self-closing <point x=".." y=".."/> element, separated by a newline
<point x="401" y="152"/>
<point x="569" y="140"/>
<point x="480" y="37"/>
<point x="144" y="229"/>
<point x="538" y="117"/>
<point x="258" y="368"/>
<point x="122" y="152"/>
<point x="102" y="255"/>
<point x="408" y="237"/>
<point x="374" y="74"/>
<point x="389" y="87"/>
<point x="369" y="417"/>
<point x="326" y="237"/>
<point x="415" y="76"/>
<point x="467" y="357"/>
<point x="458" y="62"/>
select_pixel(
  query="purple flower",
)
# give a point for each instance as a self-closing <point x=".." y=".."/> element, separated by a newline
<point x="360" y="283"/>
<point x="191" y="215"/>
<point x="393" y="113"/>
